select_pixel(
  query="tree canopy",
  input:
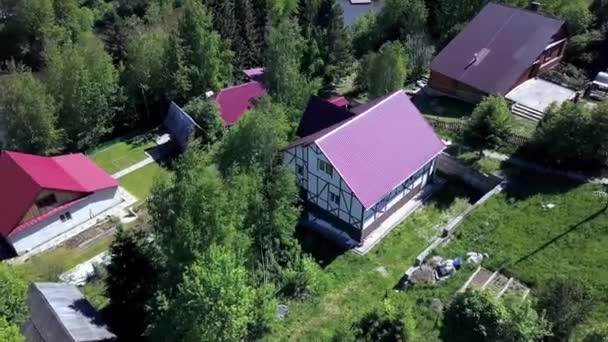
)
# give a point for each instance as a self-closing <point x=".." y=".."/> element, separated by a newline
<point x="489" y="125"/>
<point x="383" y="72"/>
<point x="84" y="83"/>
<point x="29" y="114"/>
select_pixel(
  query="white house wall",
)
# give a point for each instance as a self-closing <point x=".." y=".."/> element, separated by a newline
<point x="419" y="179"/>
<point x="318" y="184"/>
<point x="51" y="227"/>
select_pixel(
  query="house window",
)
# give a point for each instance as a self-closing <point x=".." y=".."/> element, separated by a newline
<point x="46" y="201"/>
<point x="65" y="217"/>
<point x="326" y="167"/>
<point x="334" y="198"/>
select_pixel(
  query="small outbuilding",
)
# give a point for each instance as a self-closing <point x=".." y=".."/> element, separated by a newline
<point x="60" y="313"/>
<point x="502" y="47"/>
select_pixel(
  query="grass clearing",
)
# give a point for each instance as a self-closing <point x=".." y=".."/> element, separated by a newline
<point x="122" y="153"/>
<point x="357" y="287"/>
<point x="139" y="183"/>
<point x="50" y="265"/>
<point x="535" y="244"/>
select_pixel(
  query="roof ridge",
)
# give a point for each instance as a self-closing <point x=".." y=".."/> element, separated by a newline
<point x="348" y="121"/>
<point x="542" y="14"/>
<point x="236" y="86"/>
<point x="69" y="175"/>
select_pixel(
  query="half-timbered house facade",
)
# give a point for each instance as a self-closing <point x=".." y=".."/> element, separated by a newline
<point x="358" y="172"/>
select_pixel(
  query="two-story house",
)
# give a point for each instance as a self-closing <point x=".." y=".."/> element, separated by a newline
<point x="359" y="171"/>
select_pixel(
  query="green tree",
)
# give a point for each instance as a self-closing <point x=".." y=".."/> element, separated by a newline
<point x="489" y="125"/>
<point x="451" y="17"/>
<point x="84" y="83"/>
<point x="144" y="75"/>
<point x="597" y="334"/>
<point x="272" y="220"/>
<point x="566" y="302"/>
<point x="255" y="140"/>
<point x="481" y="316"/>
<point x="207" y="59"/>
<point x="576" y="12"/>
<point x="249" y="42"/>
<point x="29" y="114"/>
<point x="191" y="212"/>
<point x="385" y="71"/>
<point x="474" y="316"/>
<point x="10" y="332"/>
<point x="420" y="53"/>
<point x="400" y="18"/>
<point x="214" y="301"/>
<point x="206" y="114"/>
<point x="131" y="283"/>
<point x="364" y="34"/>
<point x="335" y="44"/>
<point x="283" y="79"/>
<point x="13" y="292"/>
<point x="34" y="20"/>
<point x="565" y="135"/>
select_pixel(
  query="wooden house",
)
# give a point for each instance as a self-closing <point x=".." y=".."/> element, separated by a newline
<point x="499" y="49"/>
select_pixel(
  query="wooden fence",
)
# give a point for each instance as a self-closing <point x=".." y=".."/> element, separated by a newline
<point x="458" y="126"/>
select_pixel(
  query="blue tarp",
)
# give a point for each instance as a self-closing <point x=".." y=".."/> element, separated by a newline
<point x="180" y="125"/>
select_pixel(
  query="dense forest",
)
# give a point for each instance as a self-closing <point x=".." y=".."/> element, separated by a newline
<point x="220" y="251"/>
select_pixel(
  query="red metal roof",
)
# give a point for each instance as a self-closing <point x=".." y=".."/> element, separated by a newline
<point x="24" y="176"/>
<point x="235" y="101"/>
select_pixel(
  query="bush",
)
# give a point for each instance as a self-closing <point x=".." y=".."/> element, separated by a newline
<point x="566" y="303"/>
<point x="304" y="281"/>
<point x="490" y="124"/>
<point x="481" y="316"/>
<point x="389" y="324"/>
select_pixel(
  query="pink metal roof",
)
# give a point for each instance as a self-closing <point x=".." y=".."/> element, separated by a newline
<point x="235" y="101"/>
<point x="24" y="176"/>
<point x="380" y="148"/>
<point x="339" y="101"/>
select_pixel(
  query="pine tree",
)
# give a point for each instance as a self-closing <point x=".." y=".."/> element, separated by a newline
<point x="205" y="53"/>
<point x="335" y="44"/>
<point x="247" y="45"/>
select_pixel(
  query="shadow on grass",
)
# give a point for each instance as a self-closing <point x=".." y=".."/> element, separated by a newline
<point x="558" y="237"/>
<point x="442" y="106"/>
<point x="523" y="184"/>
<point x="451" y="191"/>
<point x="321" y="249"/>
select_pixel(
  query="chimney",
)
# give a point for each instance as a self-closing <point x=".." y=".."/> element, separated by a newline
<point x="535" y="6"/>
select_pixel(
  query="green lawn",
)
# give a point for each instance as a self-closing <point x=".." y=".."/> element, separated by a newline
<point x="536" y="244"/>
<point x="140" y="182"/>
<point x="357" y="287"/>
<point x="50" y="265"/>
<point x="120" y="154"/>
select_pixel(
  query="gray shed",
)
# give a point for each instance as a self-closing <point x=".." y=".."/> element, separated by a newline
<point x="60" y="313"/>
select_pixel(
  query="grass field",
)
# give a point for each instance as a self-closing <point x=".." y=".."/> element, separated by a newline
<point x="120" y="154"/>
<point x="357" y="286"/>
<point x="536" y="244"/>
<point x="140" y="182"/>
